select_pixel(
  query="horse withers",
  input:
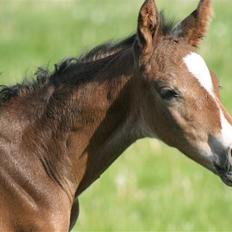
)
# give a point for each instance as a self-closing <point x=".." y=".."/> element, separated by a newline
<point x="60" y="133"/>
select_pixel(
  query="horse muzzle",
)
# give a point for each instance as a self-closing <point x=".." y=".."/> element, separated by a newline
<point x="224" y="169"/>
<point x="227" y="179"/>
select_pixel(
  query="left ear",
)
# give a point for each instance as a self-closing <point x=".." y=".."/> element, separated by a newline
<point x="148" y="24"/>
<point x="194" y="27"/>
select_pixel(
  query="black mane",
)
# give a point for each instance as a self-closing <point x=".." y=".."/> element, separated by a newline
<point x="103" y="51"/>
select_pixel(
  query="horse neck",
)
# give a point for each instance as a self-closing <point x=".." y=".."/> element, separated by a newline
<point x="84" y="128"/>
<point x="115" y="131"/>
<point x="114" y="128"/>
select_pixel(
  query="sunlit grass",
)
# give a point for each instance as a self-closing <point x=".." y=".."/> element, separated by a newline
<point x="151" y="187"/>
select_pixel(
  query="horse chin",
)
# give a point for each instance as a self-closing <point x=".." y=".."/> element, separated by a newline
<point x="227" y="179"/>
<point x="225" y="173"/>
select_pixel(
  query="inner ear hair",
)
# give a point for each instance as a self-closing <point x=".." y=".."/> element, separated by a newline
<point x="148" y="23"/>
<point x="194" y="27"/>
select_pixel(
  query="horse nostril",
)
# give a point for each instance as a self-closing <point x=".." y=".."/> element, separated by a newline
<point x="230" y="155"/>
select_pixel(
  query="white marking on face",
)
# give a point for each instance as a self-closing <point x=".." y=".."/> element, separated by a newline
<point x="197" y="66"/>
<point x="226" y="131"/>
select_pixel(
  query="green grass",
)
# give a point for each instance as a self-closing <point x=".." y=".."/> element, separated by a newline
<point x="151" y="187"/>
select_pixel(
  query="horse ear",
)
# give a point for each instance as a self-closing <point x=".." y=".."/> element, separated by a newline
<point x="148" y="23"/>
<point x="194" y="27"/>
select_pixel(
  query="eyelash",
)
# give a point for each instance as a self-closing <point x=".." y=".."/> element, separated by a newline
<point x="168" y="94"/>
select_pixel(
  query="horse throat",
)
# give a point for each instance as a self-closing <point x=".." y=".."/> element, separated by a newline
<point x="116" y="132"/>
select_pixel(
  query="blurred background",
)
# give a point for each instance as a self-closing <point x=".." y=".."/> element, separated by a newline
<point x="151" y="187"/>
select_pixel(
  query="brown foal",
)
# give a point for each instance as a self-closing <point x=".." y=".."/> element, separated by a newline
<point x="60" y="133"/>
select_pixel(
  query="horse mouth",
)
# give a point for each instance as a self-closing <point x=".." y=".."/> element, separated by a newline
<point x="227" y="179"/>
<point x="225" y="174"/>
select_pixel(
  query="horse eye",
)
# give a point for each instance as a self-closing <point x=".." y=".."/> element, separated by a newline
<point x="168" y="94"/>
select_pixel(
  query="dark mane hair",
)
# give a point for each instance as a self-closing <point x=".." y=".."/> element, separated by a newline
<point x="103" y="51"/>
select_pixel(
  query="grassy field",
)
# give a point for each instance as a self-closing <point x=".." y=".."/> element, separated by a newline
<point x="151" y="187"/>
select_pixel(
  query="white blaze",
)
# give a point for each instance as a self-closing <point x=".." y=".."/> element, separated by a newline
<point x="226" y="131"/>
<point x="197" y="66"/>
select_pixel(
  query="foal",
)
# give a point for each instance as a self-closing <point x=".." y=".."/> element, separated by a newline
<point x="59" y="134"/>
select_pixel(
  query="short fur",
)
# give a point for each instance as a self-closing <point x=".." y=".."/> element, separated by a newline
<point x="59" y="133"/>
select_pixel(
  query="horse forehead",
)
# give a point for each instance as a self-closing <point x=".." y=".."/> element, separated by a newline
<point x="198" y="68"/>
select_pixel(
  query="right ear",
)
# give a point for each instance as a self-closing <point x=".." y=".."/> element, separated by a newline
<point x="148" y="23"/>
<point x="194" y="27"/>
